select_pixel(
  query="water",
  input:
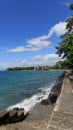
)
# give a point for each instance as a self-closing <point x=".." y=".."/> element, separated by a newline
<point x="25" y="88"/>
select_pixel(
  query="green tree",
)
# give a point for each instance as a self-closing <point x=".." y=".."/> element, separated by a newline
<point x="65" y="48"/>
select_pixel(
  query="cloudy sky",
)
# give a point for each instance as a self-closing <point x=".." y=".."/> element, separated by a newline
<point x="30" y="30"/>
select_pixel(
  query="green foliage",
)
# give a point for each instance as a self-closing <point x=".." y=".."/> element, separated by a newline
<point x="71" y="6"/>
<point x="69" y="25"/>
<point x="57" y="66"/>
<point x="9" y="69"/>
<point x="20" y="68"/>
<point x="65" y="47"/>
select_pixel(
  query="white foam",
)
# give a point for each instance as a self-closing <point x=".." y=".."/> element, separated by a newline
<point x="27" y="104"/>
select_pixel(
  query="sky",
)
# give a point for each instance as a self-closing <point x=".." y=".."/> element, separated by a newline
<point x="30" y="30"/>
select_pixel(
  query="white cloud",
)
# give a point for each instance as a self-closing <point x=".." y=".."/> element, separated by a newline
<point x="32" y="45"/>
<point x="18" y="49"/>
<point x="59" y="29"/>
<point x="4" y="65"/>
<point x="49" y="59"/>
<point x="35" y="44"/>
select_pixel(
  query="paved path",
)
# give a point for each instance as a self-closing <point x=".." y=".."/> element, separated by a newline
<point x="62" y="116"/>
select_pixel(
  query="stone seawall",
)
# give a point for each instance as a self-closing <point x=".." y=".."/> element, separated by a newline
<point x="62" y="115"/>
<point x="55" y="91"/>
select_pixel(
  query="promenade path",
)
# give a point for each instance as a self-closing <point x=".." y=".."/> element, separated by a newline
<point x="62" y="115"/>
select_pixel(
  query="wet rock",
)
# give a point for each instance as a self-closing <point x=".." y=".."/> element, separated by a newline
<point x="53" y="97"/>
<point x="55" y="91"/>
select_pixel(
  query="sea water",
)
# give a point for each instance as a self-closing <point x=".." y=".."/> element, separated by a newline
<point x="25" y="88"/>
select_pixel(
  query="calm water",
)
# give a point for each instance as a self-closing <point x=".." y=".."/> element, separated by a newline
<point x="25" y="88"/>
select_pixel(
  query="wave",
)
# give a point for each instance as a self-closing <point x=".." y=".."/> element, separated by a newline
<point x="27" y="104"/>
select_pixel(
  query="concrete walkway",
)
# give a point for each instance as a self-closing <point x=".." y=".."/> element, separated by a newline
<point x="62" y="115"/>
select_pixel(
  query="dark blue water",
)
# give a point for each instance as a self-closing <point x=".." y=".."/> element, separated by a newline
<point x="25" y="88"/>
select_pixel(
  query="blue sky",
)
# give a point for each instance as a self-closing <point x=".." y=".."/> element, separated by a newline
<point x="29" y="30"/>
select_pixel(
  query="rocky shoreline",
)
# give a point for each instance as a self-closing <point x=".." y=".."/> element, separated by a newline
<point x="55" y="91"/>
<point x="39" y="114"/>
<point x="12" y="116"/>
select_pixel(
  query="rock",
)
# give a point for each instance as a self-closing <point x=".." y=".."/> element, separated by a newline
<point x="21" y="116"/>
<point x="12" y="116"/>
<point x="21" y="109"/>
<point x="16" y="108"/>
<point x="45" y="102"/>
<point x="55" y="91"/>
<point x="17" y="115"/>
<point x="53" y="96"/>
<point x="3" y="117"/>
<point x="26" y="113"/>
<point x="21" y="113"/>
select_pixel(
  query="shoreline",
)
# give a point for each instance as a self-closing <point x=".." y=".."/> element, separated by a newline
<point x="38" y="116"/>
<point x="25" y="88"/>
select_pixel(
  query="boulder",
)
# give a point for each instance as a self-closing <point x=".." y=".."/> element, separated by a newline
<point x="45" y="102"/>
<point x="53" y="97"/>
<point x="12" y="116"/>
<point x="22" y="110"/>
<point x="26" y="113"/>
<point x="3" y="117"/>
<point x="20" y="114"/>
<point x="17" y="109"/>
